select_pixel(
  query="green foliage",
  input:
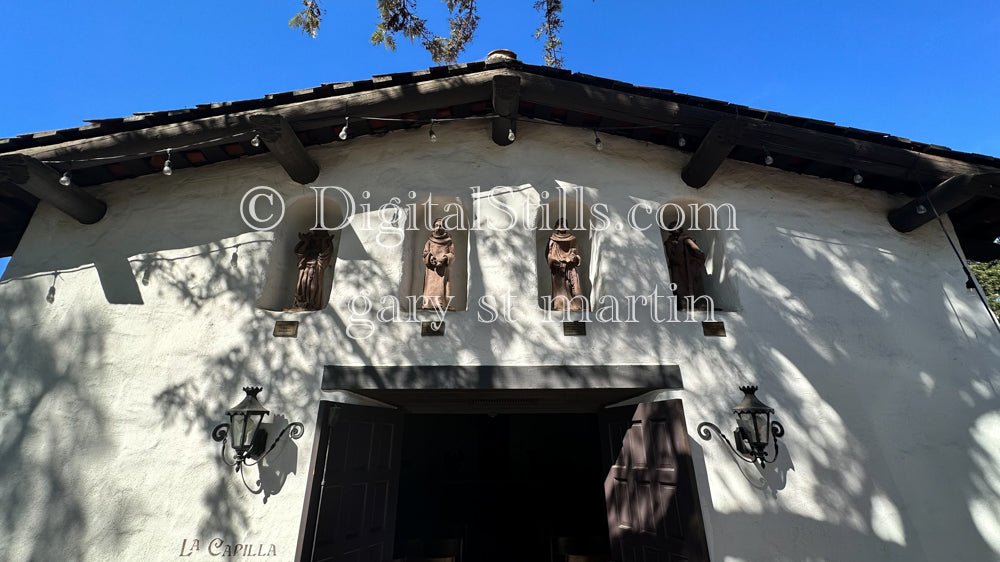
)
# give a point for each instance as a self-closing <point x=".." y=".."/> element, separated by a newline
<point x="550" y="28"/>
<point x="399" y="17"/>
<point x="988" y="275"/>
<point x="309" y="18"/>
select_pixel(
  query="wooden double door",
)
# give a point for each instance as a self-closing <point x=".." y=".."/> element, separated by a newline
<point x="651" y="505"/>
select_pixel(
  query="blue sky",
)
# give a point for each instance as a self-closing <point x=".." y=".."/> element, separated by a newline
<point x="925" y="70"/>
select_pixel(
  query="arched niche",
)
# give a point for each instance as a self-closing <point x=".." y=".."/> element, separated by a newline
<point x="282" y="271"/>
<point x="707" y="225"/>
<point x="579" y="221"/>
<point x="419" y="225"/>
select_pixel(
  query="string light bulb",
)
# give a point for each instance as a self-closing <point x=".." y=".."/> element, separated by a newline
<point x="768" y="159"/>
<point x="65" y="179"/>
<point x="510" y="135"/>
<point x="343" y="132"/>
<point x="433" y="137"/>
<point x="167" y="170"/>
<point x="681" y="141"/>
<point x="858" y="178"/>
<point x="597" y="142"/>
<point x="255" y="141"/>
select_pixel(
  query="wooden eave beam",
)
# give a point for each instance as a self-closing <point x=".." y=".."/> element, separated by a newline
<point x="869" y="158"/>
<point x="865" y="156"/>
<point x="616" y="105"/>
<point x="43" y="182"/>
<point x="301" y="116"/>
<point x="724" y="135"/>
<point x="285" y="146"/>
<point x="506" y="98"/>
<point x="948" y="195"/>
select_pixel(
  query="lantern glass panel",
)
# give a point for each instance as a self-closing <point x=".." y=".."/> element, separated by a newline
<point x="238" y="430"/>
<point x="745" y="422"/>
<point x="253" y="422"/>
<point x="763" y="427"/>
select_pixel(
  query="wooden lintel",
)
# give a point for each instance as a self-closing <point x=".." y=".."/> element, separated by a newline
<point x="949" y="194"/>
<point x="713" y="151"/>
<point x="284" y="144"/>
<point x="43" y="182"/>
<point x="506" y="98"/>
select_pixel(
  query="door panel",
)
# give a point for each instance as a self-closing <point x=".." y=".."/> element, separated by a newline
<point x="351" y="512"/>
<point x="653" y="509"/>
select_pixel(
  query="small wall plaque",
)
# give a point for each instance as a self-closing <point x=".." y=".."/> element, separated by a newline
<point x="714" y="329"/>
<point x="574" y="328"/>
<point x="286" y="329"/>
<point x="432" y="328"/>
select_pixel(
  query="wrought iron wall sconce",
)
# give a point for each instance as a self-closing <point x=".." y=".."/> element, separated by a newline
<point x="248" y="438"/>
<point x="754" y="429"/>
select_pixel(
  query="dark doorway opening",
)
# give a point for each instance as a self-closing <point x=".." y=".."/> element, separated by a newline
<point x="526" y="475"/>
<point x="509" y="486"/>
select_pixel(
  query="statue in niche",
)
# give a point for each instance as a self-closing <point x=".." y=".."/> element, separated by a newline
<point x="438" y="255"/>
<point x="563" y="256"/>
<point x="314" y="251"/>
<point x="687" y="266"/>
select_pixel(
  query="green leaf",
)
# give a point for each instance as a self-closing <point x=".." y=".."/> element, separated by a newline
<point x="988" y="275"/>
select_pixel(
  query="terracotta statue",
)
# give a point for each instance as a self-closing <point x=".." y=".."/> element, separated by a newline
<point x="687" y="266"/>
<point x="563" y="257"/>
<point x="439" y="255"/>
<point x="314" y="250"/>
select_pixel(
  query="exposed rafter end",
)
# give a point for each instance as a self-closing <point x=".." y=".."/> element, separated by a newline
<point x="506" y="98"/>
<point x="724" y="135"/>
<point x="42" y="181"/>
<point x="285" y="146"/>
<point x="948" y="194"/>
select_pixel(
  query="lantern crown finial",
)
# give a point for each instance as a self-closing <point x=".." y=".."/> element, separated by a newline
<point x="750" y="402"/>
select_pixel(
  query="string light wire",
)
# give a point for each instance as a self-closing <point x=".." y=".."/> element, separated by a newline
<point x="681" y="141"/>
<point x="244" y="135"/>
<point x="970" y="281"/>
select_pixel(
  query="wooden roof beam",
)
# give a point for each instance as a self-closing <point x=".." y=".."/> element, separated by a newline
<point x="43" y="182"/>
<point x="948" y="195"/>
<point x="865" y="156"/>
<point x="713" y="151"/>
<point x="506" y="99"/>
<point x="285" y="146"/>
<point x="305" y="115"/>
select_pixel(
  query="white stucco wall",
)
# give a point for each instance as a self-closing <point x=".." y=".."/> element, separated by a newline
<point x="879" y="363"/>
